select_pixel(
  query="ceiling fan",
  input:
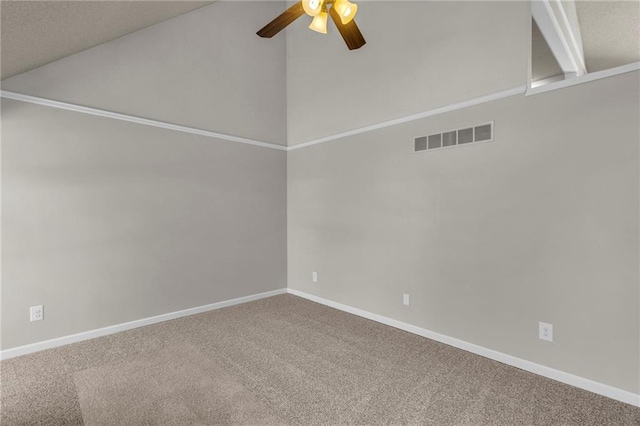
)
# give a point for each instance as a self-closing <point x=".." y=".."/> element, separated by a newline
<point x="341" y="11"/>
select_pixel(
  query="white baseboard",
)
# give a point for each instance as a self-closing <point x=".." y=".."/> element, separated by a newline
<point x="91" y="334"/>
<point x="551" y="373"/>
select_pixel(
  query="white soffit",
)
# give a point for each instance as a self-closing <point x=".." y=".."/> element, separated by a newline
<point x="561" y="33"/>
<point x="543" y="63"/>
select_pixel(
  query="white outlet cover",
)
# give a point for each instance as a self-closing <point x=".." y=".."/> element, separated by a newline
<point x="36" y="313"/>
<point x="314" y="277"/>
<point x="545" y="331"/>
<point x="405" y="299"/>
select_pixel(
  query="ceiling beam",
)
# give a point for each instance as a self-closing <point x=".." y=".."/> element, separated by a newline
<point x="558" y="24"/>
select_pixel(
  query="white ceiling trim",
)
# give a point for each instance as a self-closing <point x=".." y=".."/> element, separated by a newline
<point x="155" y="123"/>
<point x="573" y="28"/>
<point x="447" y="108"/>
<point x="134" y="119"/>
<point x="584" y="78"/>
<point x="554" y="28"/>
<point x="521" y="90"/>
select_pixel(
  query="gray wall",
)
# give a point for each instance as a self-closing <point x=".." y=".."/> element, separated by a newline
<point x="428" y="54"/>
<point x="488" y="239"/>
<point x="105" y="221"/>
<point x="205" y="69"/>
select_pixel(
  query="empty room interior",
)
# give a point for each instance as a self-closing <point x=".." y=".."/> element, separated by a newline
<point x="320" y="212"/>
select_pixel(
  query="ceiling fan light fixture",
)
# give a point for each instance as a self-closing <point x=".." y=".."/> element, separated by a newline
<point x="346" y="10"/>
<point x="312" y="7"/>
<point x="319" y="23"/>
<point x="349" y="32"/>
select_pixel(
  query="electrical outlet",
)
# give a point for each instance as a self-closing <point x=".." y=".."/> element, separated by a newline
<point x="36" y="313"/>
<point x="314" y="277"/>
<point x="405" y="299"/>
<point x="545" y="331"/>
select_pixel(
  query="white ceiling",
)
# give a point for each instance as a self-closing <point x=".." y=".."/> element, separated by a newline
<point x="610" y="32"/>
<point x="35" y="33"/>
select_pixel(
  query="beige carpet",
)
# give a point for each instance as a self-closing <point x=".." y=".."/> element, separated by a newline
<point x="176" y="385"/>
<point x="284" y="360"/>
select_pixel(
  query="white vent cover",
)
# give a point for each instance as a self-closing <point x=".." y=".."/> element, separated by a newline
<point x="451" y="138"/>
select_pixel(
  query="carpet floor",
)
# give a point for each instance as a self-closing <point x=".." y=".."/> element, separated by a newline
<point x="284" y="360"/>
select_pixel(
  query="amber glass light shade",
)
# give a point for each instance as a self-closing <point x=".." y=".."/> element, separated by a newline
<point x="346" y="10"/>
<point x="312" y="7"/>
<point x="319" y="23"/>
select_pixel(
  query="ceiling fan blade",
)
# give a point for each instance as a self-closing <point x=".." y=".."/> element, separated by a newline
<point x="281" y="21"/>
<point x="349" y="32"/>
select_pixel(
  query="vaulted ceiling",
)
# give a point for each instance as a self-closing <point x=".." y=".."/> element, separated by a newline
<point x="35" y="33"/>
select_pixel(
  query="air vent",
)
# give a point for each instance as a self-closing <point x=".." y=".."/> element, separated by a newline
<point x="482" y="133"/>
<point x="479" y="133"/>
<point x="435" y="141"/>
<point x="449" y="138"/>
<point x="465" y="135"/>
